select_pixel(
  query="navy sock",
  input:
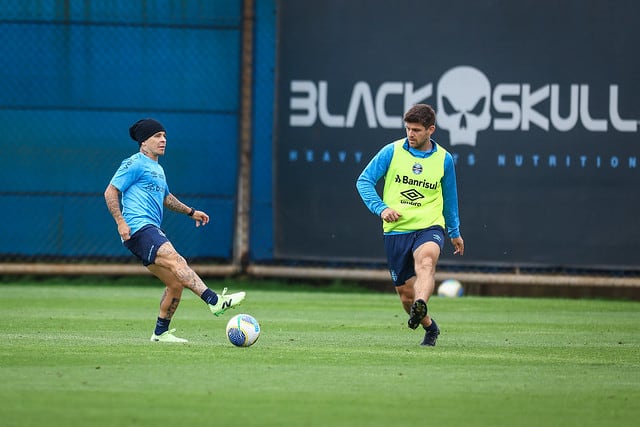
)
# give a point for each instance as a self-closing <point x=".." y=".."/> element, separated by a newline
<point x="432" y="326"/>
<point x="209" y="297"/>
<point x="162" y="326"/>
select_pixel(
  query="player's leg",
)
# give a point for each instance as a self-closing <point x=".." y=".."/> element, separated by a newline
<point x="144" y="244"/>
<point x="426" y="259"/>
<point x="426" y="251"/>
<point x="417" y="289"/>
<point x="411" y="259"/>
<point x="177" y="269"/>
<point x="168" y="258"/>
<point x="406" y="292"/>
<point x="398" y="248"/>
<point x="431" y="333"/>
<point x="172" y="293"/>
<point x="168" y="304"/>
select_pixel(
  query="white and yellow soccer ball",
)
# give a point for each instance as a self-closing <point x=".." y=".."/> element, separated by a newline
<point x="243" y="330"/>
<point x="450" y="288"/>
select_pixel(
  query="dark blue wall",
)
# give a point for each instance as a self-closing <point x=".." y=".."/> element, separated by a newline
<point x="75" y="75"/>
<point x="536" y="99"/>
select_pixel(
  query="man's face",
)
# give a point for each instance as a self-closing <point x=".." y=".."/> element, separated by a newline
<point x="155" y="145"/>
<point x="418" y="135"/>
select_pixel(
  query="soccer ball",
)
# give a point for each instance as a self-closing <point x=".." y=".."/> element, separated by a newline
<point x="243" y="330"/>
<point x="450" y="288"/>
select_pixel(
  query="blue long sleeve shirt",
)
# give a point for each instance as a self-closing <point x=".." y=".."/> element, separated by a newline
<point x="377" y="168"/>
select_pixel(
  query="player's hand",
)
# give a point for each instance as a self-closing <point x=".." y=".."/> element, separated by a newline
<point x="390" y="215"/>
<point x="124" y="231"/>
<point x="200" y="218"/>
<point x="458" y="244"/>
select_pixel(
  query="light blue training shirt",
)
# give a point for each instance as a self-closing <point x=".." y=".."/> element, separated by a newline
<point x="144" y="187"/>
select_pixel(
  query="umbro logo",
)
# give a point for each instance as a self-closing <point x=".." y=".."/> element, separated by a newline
<point x="412" y="194"/>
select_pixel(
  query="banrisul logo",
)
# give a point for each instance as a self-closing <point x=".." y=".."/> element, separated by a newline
<point x="404" y="179"/>
<point x="467" y="103"/>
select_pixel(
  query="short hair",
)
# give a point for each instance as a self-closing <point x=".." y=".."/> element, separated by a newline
<point x="421" y="113"/>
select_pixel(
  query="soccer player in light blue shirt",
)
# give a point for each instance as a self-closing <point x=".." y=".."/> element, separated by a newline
<point x="144" y="188"/>
<point x="141" y="184"/>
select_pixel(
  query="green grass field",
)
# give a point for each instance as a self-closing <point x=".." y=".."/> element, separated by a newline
<point x="78" y="354"/>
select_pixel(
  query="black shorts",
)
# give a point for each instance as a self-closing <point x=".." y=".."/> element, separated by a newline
<point x="400" y="248"/>
<point x="144" y="243"/>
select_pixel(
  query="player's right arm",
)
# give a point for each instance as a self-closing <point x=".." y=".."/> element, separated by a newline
<point x="127" y="174"/>
<point x="112" y="198"/>
<point x="366" y="182"/>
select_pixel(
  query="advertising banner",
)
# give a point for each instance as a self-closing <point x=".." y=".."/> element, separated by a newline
<point x="540" y="111"/>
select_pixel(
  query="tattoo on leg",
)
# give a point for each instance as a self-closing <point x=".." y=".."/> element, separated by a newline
<point x="173" y="307"/>
<point x="181" y="270"/>
<point x="190" y="279"/>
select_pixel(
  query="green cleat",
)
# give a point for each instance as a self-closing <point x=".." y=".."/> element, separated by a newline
<point x="167" y="337"/>
<point x="226" y="302"/>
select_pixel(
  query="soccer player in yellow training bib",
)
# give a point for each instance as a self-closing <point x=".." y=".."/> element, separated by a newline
<point x="420" y="200"/>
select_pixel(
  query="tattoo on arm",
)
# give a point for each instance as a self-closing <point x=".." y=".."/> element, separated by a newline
<point x="112" y="198"/>
<point x="172" y="203"/>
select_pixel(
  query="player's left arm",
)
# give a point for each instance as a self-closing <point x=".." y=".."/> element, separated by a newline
<point x="171" y="202"/>
<point x="450" y="200"/>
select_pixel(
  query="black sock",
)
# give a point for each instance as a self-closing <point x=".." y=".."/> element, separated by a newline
<point x="162" y="326"/>
<point x="209" y="297"/>
<point x="432" y="326"/>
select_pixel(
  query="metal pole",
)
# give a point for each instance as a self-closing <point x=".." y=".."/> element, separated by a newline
<point x="241" y="241"/>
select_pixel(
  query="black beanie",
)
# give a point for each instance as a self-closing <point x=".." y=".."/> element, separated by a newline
<point x="143" y="129"/>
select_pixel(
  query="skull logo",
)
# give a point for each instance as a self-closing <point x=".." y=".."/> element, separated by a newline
<point x="464" y="95"/>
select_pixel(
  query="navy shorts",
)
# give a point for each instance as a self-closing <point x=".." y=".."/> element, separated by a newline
<point x="144" y="243"/>
<point x="400" y="248"/>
